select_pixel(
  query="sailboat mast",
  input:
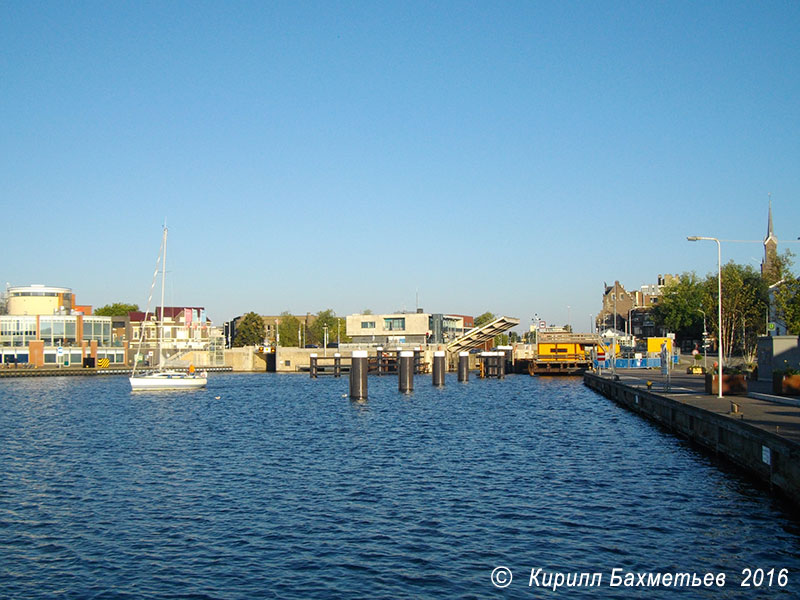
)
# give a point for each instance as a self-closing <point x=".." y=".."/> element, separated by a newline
<point x="163" y="285"/>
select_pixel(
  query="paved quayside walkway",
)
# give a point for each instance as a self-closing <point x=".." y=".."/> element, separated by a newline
<point x="776" y="414"/>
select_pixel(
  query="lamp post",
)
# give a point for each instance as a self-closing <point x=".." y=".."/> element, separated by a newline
<point x="695" y="238"/>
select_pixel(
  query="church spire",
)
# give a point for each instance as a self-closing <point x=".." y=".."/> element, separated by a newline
<point x="769" y="224"/>
<point x="770" y="244"/>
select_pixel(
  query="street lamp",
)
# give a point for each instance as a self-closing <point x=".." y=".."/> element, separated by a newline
<point x="695" y="238"/>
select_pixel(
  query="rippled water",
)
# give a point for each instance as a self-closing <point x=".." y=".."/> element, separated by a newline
<point x="284" y="488"/>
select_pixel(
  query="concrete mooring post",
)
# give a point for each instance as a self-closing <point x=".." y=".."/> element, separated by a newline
<point x="312" y="365"/>
<point x="405" y="369"/>
<point x="439" y="368"/>
<point x="337" y="365"/>
<point x="379" y="357"/>
<point x="358" y="375"/>
<point x="463" y="366"/>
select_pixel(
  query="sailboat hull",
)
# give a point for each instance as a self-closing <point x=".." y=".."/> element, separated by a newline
<point x="167" y="381"/>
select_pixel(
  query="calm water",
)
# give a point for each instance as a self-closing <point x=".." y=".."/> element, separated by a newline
<point x="283" y="488"/>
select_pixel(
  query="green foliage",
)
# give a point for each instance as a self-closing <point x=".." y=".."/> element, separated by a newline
<point x="485" y="318"/>
<point x="677" y="308"/>
<point x="250" y="331"/>
<point x="289" y="330"/>
<point x="118" y="309"/>
<point x="337" y="330"/>
<point x="788" y="369"/>
<point x="787" y="304"/>
<point x="744" y="302"/>
<point x="780" y="267"/>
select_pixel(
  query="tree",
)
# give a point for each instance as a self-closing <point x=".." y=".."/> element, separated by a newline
<point x="678" y="307"/>
<point x="779" y="266"/>
<point x="250" y="331"/>
<point x="337" y="329"/>
<point x="118" y="309"/>
<point x="485" y="318"/>
<point x="289" y="329"/>
<point x="787" y="304"/>
<point x="744" y="301"/>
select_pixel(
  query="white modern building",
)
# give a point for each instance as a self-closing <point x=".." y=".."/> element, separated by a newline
<point x="406" y="328"/>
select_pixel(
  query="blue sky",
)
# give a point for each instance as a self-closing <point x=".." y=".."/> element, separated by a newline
<point x="509" y="157"/>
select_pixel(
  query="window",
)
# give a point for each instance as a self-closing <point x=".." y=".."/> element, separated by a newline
<point x="58" y="329"/>
<point x="394" y="324"/>
<point x="46" y="330"/>
<point x="367" y="324"/>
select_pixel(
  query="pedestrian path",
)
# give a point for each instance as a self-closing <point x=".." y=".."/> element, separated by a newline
<point x="776" y="414"/>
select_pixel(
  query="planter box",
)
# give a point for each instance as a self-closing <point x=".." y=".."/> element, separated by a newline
<point x="786" y="385"/>
<point x="732" y="385"/>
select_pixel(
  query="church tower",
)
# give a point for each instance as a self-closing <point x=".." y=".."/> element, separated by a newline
<point x="770" y="245"/>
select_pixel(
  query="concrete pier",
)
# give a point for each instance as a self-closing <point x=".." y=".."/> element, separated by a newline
<point x="760" y="435"/>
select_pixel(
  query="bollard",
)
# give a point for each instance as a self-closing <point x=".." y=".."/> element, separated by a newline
<point x="312" y="365"/>
<point x="379" y="350"/>
<point x="405" y="369"/>
<point x="463" y="366"/>
<point x="438" y="368"/>
<point x="337" y="365"/>
<point x="358" y="375"/>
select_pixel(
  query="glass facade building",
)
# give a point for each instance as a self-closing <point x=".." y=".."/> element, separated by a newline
<point x="73" y="334"/>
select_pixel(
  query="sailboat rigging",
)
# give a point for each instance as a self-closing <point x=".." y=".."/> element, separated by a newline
<point x="162" y="379"/>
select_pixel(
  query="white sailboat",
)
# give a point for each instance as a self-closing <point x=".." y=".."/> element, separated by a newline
<point x="163" y="379"/>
